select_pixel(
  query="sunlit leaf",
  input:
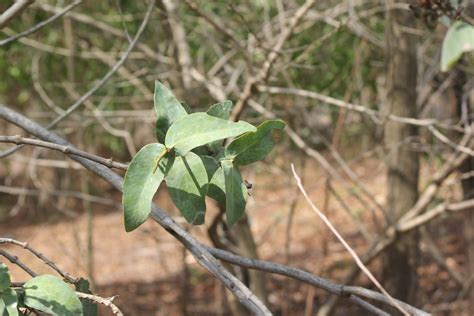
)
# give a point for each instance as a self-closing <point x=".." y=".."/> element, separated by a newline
<point x="458" y="40"/>
<point x="198" y="129"/>
<point x="235" y="192"/>
<point x="49" y="294"/>
<point x="168" y="109"/>
<point x="254" y="146"/>
<point x="187" y="185"/>
<point x="141" y="181"/>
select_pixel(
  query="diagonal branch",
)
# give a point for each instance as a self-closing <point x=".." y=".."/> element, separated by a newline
<point x="17" y="139"/>
<point x="41" y="24"/>
<point x="14" y="10"/>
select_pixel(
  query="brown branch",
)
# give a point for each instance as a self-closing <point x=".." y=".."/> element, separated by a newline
<point x="15" y="260"/>
<point x="40" y="256"/>
<point x="102" y="300"/>
<point x="18" y="140"/>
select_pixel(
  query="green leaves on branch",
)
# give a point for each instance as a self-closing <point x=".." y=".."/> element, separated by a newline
<point x="458" y="40"/>
<point x="49" y="294"/>
<point x="193" y="162"/>
<point x="198" y="129"/>
<point x="144" y="175"/>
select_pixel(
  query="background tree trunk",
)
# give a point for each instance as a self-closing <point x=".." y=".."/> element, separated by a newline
<point x="400" y="261"/>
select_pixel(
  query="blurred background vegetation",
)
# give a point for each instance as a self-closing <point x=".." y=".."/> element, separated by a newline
<point x="208" y="51"/>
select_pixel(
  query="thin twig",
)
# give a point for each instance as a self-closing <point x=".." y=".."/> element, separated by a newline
<point x="40" y="256"/>
<point x="17" y="139"/>
<point x="15" y="260"/>
<point x="40" y="25"/>
<point x="345" y="244"/>
<point x="107" y="301"/>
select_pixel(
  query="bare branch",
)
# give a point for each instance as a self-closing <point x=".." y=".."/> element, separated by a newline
<point x="102" y="300"/>
<point x="15" y="260"/>
<point x="17" y="139"/>
<point x="14" y="10"/>
<point x="40" y="25"/>
<point x="40" y="256"/>
<point x="354" y="255"/>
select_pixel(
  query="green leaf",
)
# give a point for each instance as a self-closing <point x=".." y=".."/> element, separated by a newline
<point x="221" y="110"/>
<point x="215" y="175"/>
<point x="187" y="185"/>
<point x="49" y="294"/>
<point x="8" y="302"/>
<point x="4" y="277"/>
<point x="235" y="192"/>
<point x="167" y="108"/>
<point x="198" y="129"/>
<point x="89" y="308"/>
<point x="254" y="146"/>
<point x="141" y="182"/>
<point x="458" y="40"/>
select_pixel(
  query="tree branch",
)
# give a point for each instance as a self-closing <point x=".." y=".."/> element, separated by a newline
<point x="17" y="139"/>
<point x="14" y="10"/>
<point x="39" y="25"/>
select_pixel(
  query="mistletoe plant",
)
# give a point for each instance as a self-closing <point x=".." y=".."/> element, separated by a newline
<point x="191" y="158"/>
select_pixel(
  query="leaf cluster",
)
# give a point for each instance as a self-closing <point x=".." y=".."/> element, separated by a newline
<point x="191" y="158"/>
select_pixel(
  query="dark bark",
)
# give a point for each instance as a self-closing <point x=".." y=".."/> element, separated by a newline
<point x="400" y="260"/>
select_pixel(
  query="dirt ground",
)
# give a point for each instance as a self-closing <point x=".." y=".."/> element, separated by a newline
<point x="145" y="268"/>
